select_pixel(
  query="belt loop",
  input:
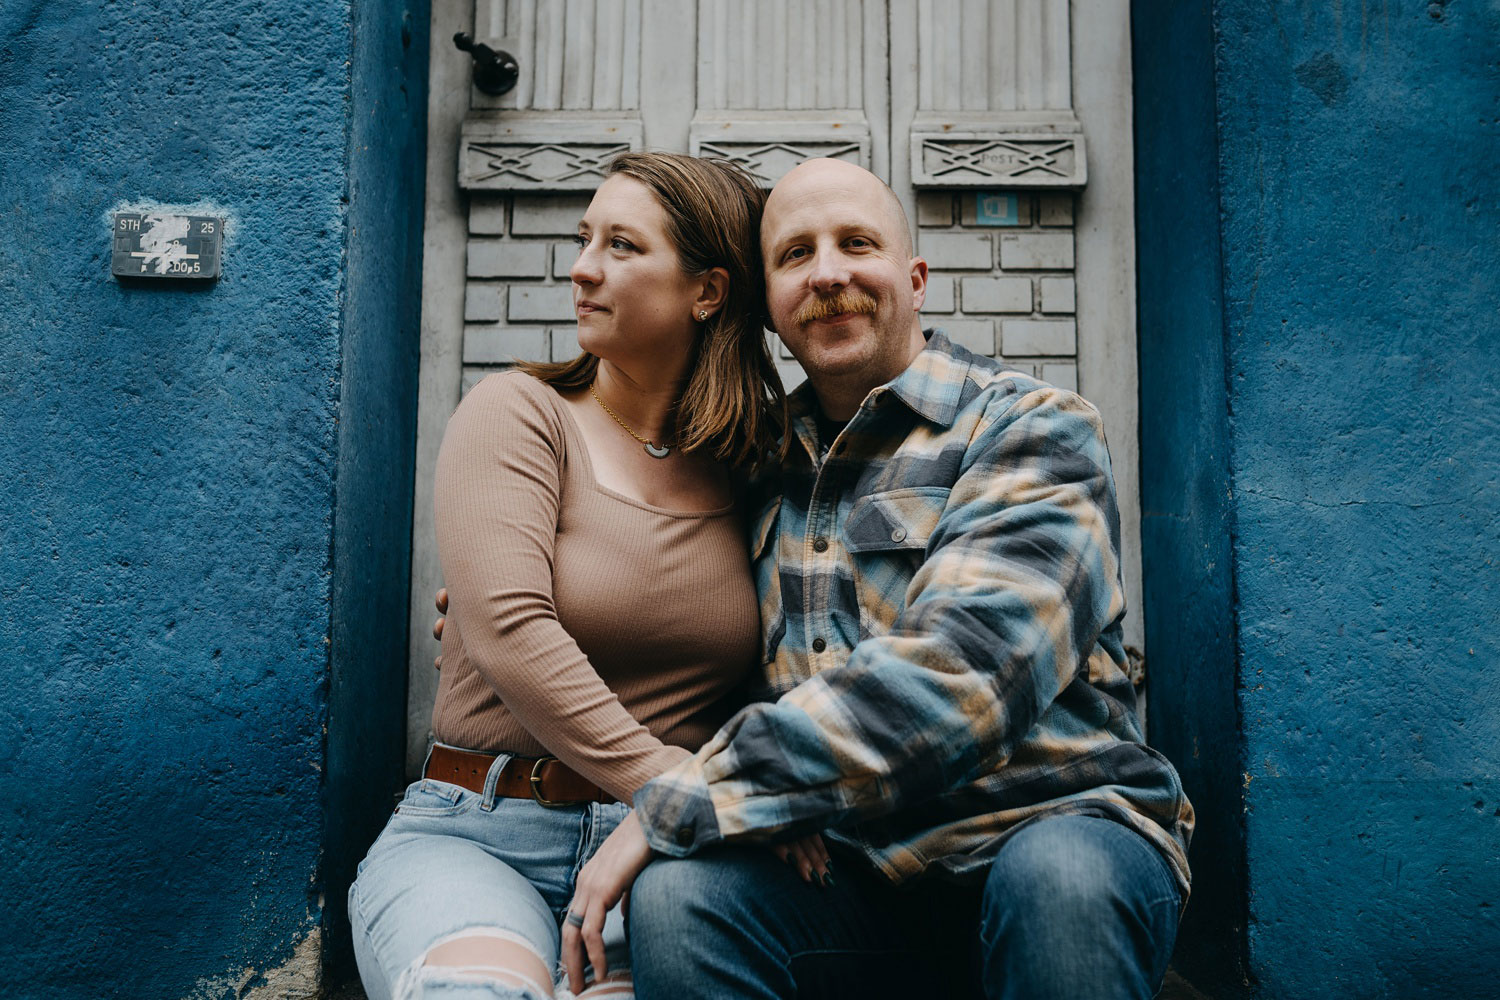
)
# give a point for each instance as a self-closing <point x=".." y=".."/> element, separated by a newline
<point x="491" y="779"/>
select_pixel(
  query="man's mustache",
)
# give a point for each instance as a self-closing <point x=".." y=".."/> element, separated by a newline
<point x="852" y="301"/>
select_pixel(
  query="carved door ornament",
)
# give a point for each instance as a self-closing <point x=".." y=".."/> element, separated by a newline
<point x="947" y="152"/>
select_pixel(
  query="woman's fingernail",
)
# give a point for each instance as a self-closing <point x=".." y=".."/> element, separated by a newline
<point x="828" y="879"/>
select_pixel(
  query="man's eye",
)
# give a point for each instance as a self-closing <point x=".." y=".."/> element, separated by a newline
<point x="859" y="241"/>
<point x="795" y="253"/>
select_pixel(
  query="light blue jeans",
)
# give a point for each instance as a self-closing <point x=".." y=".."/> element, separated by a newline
<point x="452" y="861"/>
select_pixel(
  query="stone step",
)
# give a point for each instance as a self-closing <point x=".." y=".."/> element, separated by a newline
<point x="1173" y="987"/>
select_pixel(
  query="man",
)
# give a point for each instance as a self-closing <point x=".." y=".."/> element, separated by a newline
<point x="945" y="695"/>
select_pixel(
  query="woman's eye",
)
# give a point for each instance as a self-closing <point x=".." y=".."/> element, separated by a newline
<point x="581" y="241"/>
<point x="619" y="244"/>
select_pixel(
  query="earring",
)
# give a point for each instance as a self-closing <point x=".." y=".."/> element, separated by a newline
<point x="702" y="315"/>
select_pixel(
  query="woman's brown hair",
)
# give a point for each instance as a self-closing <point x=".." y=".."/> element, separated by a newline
<point x="734" y="407"/>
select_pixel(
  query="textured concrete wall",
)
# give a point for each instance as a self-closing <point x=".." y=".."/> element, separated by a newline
<point x="1358" y="216"/>
<point x="171" y="460"/>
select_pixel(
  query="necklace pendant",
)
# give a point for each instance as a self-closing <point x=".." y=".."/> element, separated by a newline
<point x="656" y="452"/>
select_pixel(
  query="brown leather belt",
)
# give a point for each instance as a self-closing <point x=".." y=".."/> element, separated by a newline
<point x="546" y="779"/>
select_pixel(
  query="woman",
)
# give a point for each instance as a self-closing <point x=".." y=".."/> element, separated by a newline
<point x="601" y="602"/>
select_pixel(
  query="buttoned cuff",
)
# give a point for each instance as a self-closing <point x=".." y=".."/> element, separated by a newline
<point x="676" y="811"/>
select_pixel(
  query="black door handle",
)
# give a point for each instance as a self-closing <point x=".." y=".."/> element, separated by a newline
<point x="495" y="71"/>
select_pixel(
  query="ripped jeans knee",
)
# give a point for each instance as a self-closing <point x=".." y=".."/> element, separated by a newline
<point x="437" y="982"/>
<point x="498" y="964"/>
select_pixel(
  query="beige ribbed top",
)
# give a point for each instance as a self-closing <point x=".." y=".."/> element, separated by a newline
<point x="581" y="623"/>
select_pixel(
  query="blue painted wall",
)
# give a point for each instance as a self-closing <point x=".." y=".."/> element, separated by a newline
<point x="1358" y="226"/>
<point x="1187" y="519"/>
<point x="197" y="526"/>
<point x="376" y="445"/>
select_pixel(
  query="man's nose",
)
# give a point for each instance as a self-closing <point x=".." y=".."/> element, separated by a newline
<point x="585" y="269"/>
<point x="829" y="272"/>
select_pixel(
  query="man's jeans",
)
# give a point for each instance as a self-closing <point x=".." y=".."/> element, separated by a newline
<point x="1074" y="906"/>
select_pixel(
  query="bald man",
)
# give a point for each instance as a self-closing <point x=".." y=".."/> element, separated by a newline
<point x="945" y="696"/>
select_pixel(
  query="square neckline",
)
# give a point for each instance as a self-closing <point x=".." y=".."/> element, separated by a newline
<point x="575" y="437"/>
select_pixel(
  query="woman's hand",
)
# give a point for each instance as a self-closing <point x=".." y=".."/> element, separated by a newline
<point x="603" y="882"/>
<point x="437" y="626"/>
<point x="809" y="856"/>
<point x="607" y="877"/>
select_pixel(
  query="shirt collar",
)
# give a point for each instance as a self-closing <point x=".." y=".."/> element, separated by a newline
<point x="931" y="386"/>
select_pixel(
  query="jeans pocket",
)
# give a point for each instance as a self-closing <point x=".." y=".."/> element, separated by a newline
<point x="435" y="798"/>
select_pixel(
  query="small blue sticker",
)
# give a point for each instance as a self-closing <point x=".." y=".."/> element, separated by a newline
<point x="991" y="208"/>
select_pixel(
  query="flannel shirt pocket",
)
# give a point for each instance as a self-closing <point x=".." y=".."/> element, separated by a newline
<point x="886" y="536"/>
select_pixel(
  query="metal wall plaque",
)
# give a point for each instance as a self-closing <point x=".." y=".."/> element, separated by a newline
<point x="152" y="245"/>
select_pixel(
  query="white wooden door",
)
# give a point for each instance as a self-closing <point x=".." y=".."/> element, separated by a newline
<point x="1003" y="126"/>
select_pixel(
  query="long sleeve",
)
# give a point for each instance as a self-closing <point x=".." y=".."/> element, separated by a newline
<point x="498" y="499"/>
<point x="1017" y="581"/>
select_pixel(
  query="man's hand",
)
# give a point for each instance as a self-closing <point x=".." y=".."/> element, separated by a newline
<point x="437" y="626"/>
<point x="603" y="882"/>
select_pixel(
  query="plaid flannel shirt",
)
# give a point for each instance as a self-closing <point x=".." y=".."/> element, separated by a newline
<point x="941" y="605"/>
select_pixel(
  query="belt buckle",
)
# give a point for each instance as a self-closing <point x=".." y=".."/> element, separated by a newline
<point x="536" y="785"/>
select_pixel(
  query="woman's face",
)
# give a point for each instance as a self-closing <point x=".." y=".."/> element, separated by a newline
<point x="633" y="300"/>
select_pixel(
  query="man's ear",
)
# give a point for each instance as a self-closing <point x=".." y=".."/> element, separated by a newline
<point x="713" y="291"/>
<point x="918" y="283"/>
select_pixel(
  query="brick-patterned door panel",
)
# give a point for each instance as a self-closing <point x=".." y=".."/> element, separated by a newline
<point x="1001" y="276"/>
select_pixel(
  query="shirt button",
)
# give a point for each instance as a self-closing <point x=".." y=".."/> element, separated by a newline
<point x="819" y="645"/>
<point x="821" y="545"/>
<point x="684" y="836"/>
<point x="898" y="535"/>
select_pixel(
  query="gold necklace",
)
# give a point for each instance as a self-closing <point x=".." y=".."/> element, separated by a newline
<point x="651" y="449"/>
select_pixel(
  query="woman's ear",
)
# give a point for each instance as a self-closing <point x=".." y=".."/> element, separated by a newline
<point x="713" y="291"/>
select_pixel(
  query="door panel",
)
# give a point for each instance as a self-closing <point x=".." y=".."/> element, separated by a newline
<point x="967" y="107"/>
<point x="779" y="82"/>
<point x="576" y="55"/>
